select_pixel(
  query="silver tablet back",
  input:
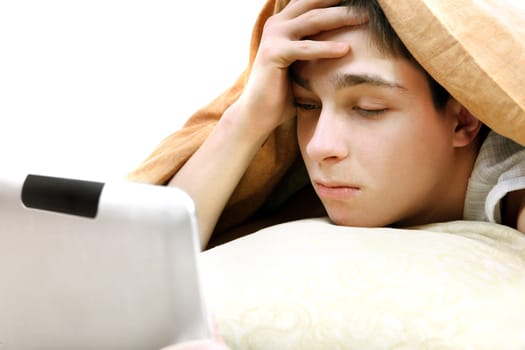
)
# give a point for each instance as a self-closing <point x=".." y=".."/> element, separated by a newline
<point x="88" y="265"/>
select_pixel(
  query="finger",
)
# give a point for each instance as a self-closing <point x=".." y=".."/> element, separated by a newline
<point x="320" y="20"/>
<point x="307" y="50"/>
<point x="298" y="7"/>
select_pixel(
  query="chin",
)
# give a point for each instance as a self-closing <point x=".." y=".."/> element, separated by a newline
<point x="358" y="220"/>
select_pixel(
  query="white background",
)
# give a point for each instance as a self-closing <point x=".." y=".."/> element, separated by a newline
<point x="89" y="88"/>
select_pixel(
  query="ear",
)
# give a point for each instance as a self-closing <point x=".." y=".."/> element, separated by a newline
<point x="466" y="126"/>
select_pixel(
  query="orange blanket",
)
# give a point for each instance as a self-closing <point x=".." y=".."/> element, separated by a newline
<point x="494" y="94"/>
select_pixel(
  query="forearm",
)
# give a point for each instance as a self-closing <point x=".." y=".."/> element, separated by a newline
<point x="212" y="173"/>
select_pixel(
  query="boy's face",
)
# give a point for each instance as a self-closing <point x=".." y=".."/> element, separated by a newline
<point x="376" y="149"/>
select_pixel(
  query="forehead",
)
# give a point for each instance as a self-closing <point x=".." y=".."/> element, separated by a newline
<point x="364" y="58"/>
<point x="362" y="50"/>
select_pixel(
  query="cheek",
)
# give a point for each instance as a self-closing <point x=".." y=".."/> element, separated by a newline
<point x="415" y="151"/>
<point x="396" y="149"/>
<point x="305" y="131"/>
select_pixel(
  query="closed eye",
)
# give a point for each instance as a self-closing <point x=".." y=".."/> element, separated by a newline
<point x="369" y="112"/>
<point x="307" y="106"/>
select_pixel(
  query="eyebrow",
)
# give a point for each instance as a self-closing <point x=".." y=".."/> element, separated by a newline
<point x="342" y="81"/>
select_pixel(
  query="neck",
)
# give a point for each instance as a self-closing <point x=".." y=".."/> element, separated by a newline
<point x="452" y="201"/>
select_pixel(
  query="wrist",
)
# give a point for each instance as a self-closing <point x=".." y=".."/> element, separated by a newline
<point x="244" y="123"/>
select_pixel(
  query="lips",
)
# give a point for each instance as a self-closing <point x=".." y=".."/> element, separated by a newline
<point x="337" y="191"/>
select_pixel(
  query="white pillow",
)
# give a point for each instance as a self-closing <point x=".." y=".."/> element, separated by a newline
<point x="313" y="285"/>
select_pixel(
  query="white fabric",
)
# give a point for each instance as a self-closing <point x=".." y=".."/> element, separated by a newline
<point x="499" y="169"/>
<point x="312" y="285"/>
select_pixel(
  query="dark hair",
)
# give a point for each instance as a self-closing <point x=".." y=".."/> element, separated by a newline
<point x="388" y="42"/>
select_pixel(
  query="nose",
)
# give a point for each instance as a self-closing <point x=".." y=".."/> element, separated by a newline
<point x="328" y="141"/>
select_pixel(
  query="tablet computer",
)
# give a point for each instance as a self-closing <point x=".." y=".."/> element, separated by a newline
<point x="92" y="265"/>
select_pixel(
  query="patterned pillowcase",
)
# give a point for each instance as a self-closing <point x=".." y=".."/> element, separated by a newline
<point x="312" y="285"/>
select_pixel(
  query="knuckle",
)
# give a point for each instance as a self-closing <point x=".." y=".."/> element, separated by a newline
<point x="304" y="45"/>
<point x="313" y="17"/>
